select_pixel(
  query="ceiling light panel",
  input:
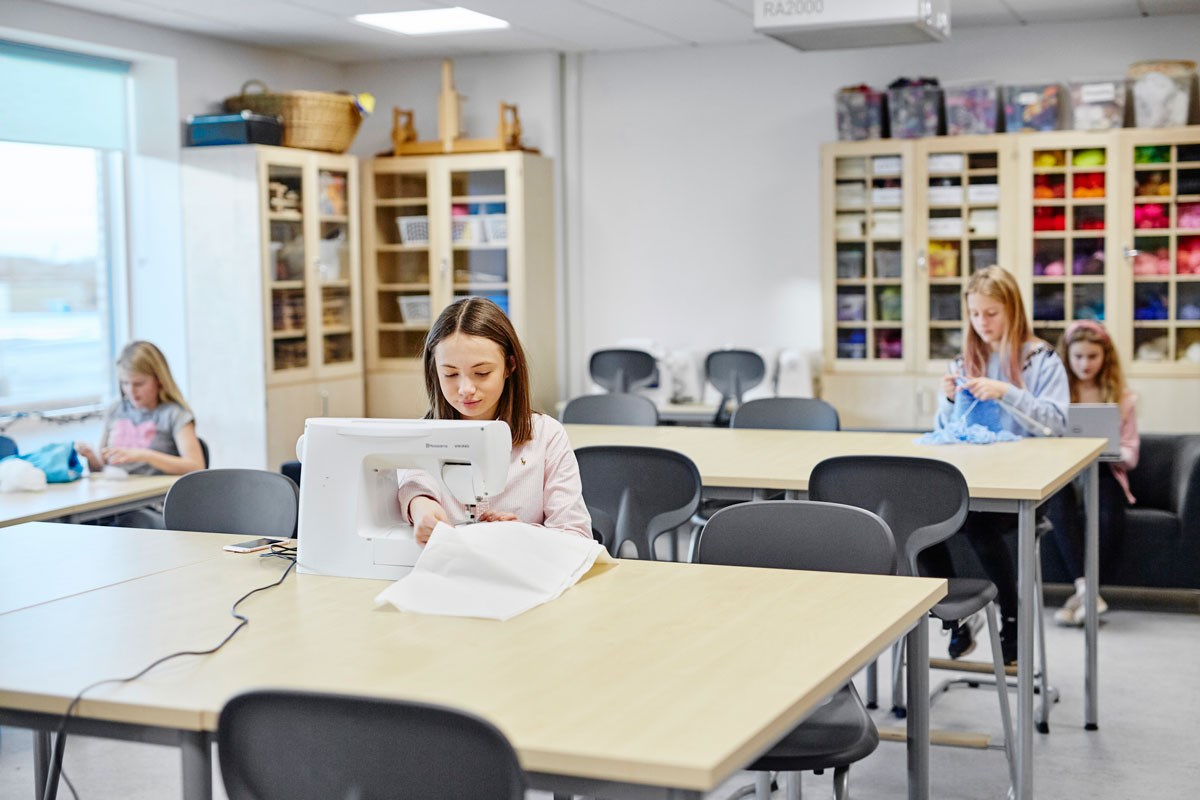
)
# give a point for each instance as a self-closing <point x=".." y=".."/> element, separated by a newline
<point x="433" y="21"/>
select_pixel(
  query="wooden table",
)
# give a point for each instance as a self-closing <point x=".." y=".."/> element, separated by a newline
<point x="1014" y="477"/>
<point x="644" y="680"/>
<point x="82" y="500"/>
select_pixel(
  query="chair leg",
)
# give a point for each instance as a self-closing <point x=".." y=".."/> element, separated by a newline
<point x="1002" y="692"/>
<point x="762" y="786"/>
<point x="899" y="706"/>
<point x="841" y="783"/>
<point x="694" y="540"/>
<point x="791" y="788"/>
<point x="1043" y="717"/>
<point x="873" y="685"/>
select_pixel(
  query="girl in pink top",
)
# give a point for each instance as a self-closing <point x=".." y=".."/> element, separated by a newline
<point x="1094" y="374"/>
<point x="475" y="369"/>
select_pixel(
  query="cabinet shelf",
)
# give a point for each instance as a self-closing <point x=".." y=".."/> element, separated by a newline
<point x="402" y="248"/>
<point x="403" y="326"/>
<point x="285" y="216"/>
<point x="336" y="330"/>
<point x="472" y="199"/>
<point x="417" y="286"/>
<point x="400" y="202"/>
<point x="286" y="285"/>
<point x="477" y="286"/>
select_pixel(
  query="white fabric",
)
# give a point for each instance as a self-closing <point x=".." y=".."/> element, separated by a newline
<point x="494" y="570"/>
<point x="17" y="475"/>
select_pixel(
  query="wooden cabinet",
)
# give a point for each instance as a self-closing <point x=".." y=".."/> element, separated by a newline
<point x="442" y="227"/>
<point x="1095" y="225"/>
<point x="274" y="296"/>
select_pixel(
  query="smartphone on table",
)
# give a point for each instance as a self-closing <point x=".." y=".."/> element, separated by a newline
<point x="252" y="545"/>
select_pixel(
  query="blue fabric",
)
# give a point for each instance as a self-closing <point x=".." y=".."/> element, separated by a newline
<point x="1044" y="399"/>
<point x="972" y="421"/>
<point x="59" y="461"/>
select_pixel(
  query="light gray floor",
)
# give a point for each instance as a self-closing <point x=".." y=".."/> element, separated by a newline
<point x="1148" y="703"/>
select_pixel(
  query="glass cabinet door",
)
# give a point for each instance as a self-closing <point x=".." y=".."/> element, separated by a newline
<point x="286" y="276"/>
<point x="403" y="277"/>
<point x="333" y="266"/>
<point x="479" y="234"/>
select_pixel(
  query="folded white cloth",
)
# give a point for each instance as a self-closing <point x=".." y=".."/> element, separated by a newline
<point x="494" y="570"/>
<point x="18" y="475"/>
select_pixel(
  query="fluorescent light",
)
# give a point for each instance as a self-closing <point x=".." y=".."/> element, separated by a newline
<point x="432" y="21"/>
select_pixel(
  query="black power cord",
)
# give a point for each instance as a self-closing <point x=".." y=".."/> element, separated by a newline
<point x="277" y="551"/>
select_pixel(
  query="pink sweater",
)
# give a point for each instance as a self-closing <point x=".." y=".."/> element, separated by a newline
<point x="543" y="485"/>
<point x="1130" y="443"/>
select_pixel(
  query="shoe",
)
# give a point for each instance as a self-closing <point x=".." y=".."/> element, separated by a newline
<point x="1080" y="615"/>
<point x="962" y="637"/>
<point x="1067" y="614"/>
<point x="1008" y="640"/>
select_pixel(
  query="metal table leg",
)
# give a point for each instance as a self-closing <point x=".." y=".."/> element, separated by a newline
<point x="41" y="762"/>
<point x="1025" y="666"/>
<point x="196" y="750"/>
<point x="918" y="711"/>
<point x="1091" y="573"/>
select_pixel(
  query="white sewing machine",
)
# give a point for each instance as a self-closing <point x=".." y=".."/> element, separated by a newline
<point x="351" y="523"/>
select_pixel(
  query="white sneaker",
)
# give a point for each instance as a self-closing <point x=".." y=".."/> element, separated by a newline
<point x="1081" y="611"/>
<point x="1067" y="614"/>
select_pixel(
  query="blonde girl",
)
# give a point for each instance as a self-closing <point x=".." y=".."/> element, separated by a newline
<point x="1095" y="376"/>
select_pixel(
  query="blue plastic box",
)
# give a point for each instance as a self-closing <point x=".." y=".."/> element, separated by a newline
<point x="243" y="128"/>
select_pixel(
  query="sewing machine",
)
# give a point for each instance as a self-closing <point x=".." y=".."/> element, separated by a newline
<point x="351" y="523"/>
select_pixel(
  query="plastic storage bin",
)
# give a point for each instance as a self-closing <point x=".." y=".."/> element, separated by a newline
<point x="851" y="307"/>
<point x="850" y="263"/>
<point x="243" y="128"/>
<point x="887" y="263"/>
<point x="915" y="109"/>
<point x="1033" y="107"/>
<point x="860" y="113"/>
<point x="467" y="229"/>
<point x="414" y="308"/>
<point x="413" y="229"/>
<point x="972" y="108"/>
<point x="1162" y="92"/>
<point x="1097" y="105"/>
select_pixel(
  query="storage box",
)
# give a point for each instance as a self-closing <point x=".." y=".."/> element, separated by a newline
<point x="850" y="194"/>
<point x="983" y="193"/>
<point x="886" y="196"/>
<point x="414" y="308"/>
<point x="943" y="263"/>
<point x="945" y="195"/>
<point x="243" y="128"/>
<point x="887" y="263"/>
<point x="495" y="228"/>
<point x="860" y="114"/>
<point x="915" y="111"/>
<point x="851" y="307"/>
<point x="850" y="263"/>
<point x="945" y="162"/>
<point x="945" y="226"/>
<point x="850" y="226"/>
<point x="972" y="108"/>
<point x="982" y="257"/>
<point x="467" y="229"/>
<point x="1032" y="107"/>
<point x="414" y="229"/>
<point x="1162" y="92"/>
<point x="983" y="221"/>
<point x="887" y="225"/>
<point x="1097" y="105"/>
<point x="886" y="165"/>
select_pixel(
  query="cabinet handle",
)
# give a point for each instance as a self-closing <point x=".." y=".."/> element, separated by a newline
<point x="921" y="261"/>
<point x="445" y="267"/>
<point x="1132" y="252"/>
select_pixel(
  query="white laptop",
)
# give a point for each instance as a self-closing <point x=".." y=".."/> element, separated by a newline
<point x="1097" y="420"/>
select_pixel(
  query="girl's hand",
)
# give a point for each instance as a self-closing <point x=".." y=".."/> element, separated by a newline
<point x="123" y="455"/>
<point x="496" y="516"/>
<point x="986" y="388"/>
<point x="85" y="451"/>
<point x="426" y="514"/>
<point x="950" y="385"/>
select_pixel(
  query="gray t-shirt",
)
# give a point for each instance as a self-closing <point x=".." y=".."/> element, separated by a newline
<point x="126" y="425"/>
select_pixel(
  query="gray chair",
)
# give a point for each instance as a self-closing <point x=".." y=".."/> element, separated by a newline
<point x="622" y="371"/>
<point x="798" y="534"/>
<point x="610" y="409"/>
<point x="924" y="502"/>
<point x="636" y="494"/>
<point x="732" y="373"/>
<point x="7" y="447"/>
<point x="248" y="501"/>
<point x="294" y="745"/>
<point x="787" y="413"/>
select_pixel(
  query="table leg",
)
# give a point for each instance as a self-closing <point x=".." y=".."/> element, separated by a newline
<point x="196" y="750"/>
<point x="918" y="711"/>
<point x="41" y="762"/>
<point x="1026" y="585"/>
<point x="1091" y="573"/>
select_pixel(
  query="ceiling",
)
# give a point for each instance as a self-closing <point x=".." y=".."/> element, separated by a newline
<point x="322" y="29"/>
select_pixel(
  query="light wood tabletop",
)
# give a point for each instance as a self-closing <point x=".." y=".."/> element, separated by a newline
<point x="649" y="673"/>
<point x="87" y="497"/>
<point x="1031" y="469"/>
<point x="44" y="561"/>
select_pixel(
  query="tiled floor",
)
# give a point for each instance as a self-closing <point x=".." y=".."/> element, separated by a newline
<point x="1148" y="703"/>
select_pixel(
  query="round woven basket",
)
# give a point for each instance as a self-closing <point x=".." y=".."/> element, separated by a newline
<point x="311" y="120"/>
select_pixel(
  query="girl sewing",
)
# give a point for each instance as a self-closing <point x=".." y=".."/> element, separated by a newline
<point x="1095" y="376"/>
<point x="475" y="369"/>
<point x="1002" y="361"/>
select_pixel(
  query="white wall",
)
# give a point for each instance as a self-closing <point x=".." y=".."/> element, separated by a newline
<point x="700" y="209"/>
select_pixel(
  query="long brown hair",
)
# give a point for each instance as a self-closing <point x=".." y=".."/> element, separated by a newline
<point x="1110" y="378"/>
<point x="999" y="284"/>
<point x="477" y="316"/>
<point x="144" y="358"/>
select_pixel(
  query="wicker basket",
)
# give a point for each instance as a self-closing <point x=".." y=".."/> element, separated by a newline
<point x="311" y="120"/>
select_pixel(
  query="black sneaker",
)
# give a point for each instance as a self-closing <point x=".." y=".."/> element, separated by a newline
<point x="962" y="639"/>
<point x="1008" y="640"/>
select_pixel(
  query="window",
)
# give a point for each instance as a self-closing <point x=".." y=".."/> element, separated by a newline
<point x="62" y="206"/>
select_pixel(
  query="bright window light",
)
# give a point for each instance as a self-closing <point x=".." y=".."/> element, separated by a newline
<point x="432" y="21"/>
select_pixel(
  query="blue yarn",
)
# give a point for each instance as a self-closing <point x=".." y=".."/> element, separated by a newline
<point x="973" y="421"/>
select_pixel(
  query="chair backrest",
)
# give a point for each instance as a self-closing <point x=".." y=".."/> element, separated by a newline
<point x="799" y="534"/>
<point x="622" y="371"/>
<point x="250" y="501"/>
<point x="610" y="409"/>
<point x="204" y="450"/>
<point x="923" y="501"/>
<point x="7" y="447"/>
<point x="290" y="745"/>
<point x="786" y="413"/>
<point x="732" y="372"/>
<point x="636" y="493"/>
